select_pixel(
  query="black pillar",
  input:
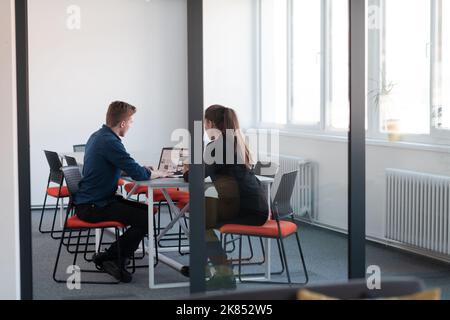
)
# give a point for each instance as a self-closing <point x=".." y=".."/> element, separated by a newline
<point x="196" y="170"/>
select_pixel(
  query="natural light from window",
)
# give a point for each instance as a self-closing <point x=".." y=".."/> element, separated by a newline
<point x="339" y="92"/>
<point x="306" y="62"/>
<point x="405" y="100"/>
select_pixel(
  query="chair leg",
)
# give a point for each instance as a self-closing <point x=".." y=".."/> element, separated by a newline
<point x="155" y="239"/>
<point x="77" y="248"/>
<point x="43" y="211"/>
<point x="251" y="248"/>
<point x="119" y="256"/>
<point x="281" y="257"/>
<point x="303" y="259"/>
<point x="240" y="261"/>
<point x="86" y="248"/>
<point x="285" y="260"/>
<point x="55" y="268"/>
<point x="54" y="216"/>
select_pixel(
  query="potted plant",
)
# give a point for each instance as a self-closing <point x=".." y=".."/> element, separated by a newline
<point x="382" y="100"/>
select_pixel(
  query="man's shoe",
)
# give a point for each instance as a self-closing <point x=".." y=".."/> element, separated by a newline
<point x="117" y="271"/>
<point x="221" y="282"/>
<point x="100" y="257"/>
<point x="185" y="271"/>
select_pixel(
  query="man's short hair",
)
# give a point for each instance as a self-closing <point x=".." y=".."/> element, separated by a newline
<point x="119" y="111"/>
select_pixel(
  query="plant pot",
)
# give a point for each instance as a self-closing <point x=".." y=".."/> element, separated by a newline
<point x="393" y="129"/>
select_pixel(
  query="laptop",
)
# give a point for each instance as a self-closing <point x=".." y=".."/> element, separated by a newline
<point x="171" y="161"/>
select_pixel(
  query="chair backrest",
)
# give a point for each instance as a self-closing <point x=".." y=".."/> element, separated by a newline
<point x="79" y="148"/>
<point x="282" y="201"/>
<point x="55" y="165"/>
<point x="72" y="175"/>
<point x="71" y="161"/>
<point x="268" y="170"/>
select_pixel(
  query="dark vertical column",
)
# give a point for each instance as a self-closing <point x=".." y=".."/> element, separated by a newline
<point x="23" y="135"/>
<point x="357" y="142"/>
<point x="196" y="171"/>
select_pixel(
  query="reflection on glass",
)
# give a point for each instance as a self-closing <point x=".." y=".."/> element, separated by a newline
<point x="404" y="98"/>
<point x="339" y="64"/>
<point x="306" y="61"/>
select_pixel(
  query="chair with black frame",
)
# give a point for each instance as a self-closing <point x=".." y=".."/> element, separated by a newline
<point x="269" y="170"/>
<point x="276" y="228"/>
<point x="72" y="162"/>
<point x="59" y="191"/>
<point x="73" y="224"/>
<point x="79" y="148"/>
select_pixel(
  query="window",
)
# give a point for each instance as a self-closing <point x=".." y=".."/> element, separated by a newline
<point x="304" y="63"/>
<point x="405" y="102"/>
<point x="304" y="70"/>
<point x="339" y="65"/>
<point x="441" y="93"/>
<point x="273" y="44"/>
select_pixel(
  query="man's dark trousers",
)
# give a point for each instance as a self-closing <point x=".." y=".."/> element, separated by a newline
<point x="129" y="213"/>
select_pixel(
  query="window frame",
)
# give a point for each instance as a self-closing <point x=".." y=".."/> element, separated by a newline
<point x="437" y="136"/>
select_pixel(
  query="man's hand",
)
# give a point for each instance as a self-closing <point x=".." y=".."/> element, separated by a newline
<point x="156" y="174"/>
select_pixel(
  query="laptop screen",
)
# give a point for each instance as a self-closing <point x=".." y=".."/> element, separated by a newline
<point x="172" y="160"/>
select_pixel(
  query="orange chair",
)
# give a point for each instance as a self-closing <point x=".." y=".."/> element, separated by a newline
<point x="276" y="227"/>
<point x="59" y="192"/>
<point x="158" y="197"/>
<point x="73" y="223"/>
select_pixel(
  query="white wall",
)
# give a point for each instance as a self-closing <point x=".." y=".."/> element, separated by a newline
<point x="128" y="50"/>
<point x="229" y="64"/>
<point x="331" y="158"/>
<point x="230" y="79"/>
<point x="9" y="237"/>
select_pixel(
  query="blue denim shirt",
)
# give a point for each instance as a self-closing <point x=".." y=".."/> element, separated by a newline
<point x="105" y="157"/>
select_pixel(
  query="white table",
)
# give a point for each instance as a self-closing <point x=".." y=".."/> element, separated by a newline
<point x="163" y="184"/>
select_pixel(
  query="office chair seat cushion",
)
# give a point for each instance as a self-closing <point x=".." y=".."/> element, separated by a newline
<point x="54" y="192"/>
<point x="174" y="193"/>
<point x="183" y="201"/>
<point x="75" y="223"/>
<point x="139" y="190"/>
<point x="268" y="230"/>
<point x="158" y="196"/>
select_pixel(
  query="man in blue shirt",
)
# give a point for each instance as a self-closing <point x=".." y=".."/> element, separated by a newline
<point x="96" y="200"/>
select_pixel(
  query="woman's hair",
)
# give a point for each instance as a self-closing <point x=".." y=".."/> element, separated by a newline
<point x="225" y="119"/>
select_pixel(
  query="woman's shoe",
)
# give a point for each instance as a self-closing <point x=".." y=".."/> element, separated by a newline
<point x="221" y="282"/>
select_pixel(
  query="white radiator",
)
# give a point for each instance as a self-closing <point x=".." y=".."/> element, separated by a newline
<point x="302" y="197"/>
<point x="417" y="210"/>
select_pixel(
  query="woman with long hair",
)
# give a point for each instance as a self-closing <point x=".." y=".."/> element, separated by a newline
<point x="241" y="197"/>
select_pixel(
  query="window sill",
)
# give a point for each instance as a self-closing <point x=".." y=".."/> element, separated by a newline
<point x="379" y="142"/>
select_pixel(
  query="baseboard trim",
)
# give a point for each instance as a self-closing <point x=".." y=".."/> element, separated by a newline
<point x="382" y="241"/>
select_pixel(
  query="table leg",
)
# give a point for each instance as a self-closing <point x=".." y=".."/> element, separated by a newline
<point x="178" y="215"/>
<point x="267" y="242"/>
<point x="61" y="213"/>
<point x="151" y="249"/>
<point x="97" y="240"/>
<point x="130" y="194"/>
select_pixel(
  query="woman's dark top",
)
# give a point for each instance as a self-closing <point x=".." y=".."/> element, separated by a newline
<point x="253" y="200"/>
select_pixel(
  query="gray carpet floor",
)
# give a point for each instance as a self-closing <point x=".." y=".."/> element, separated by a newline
<point x="325" y="253"/>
